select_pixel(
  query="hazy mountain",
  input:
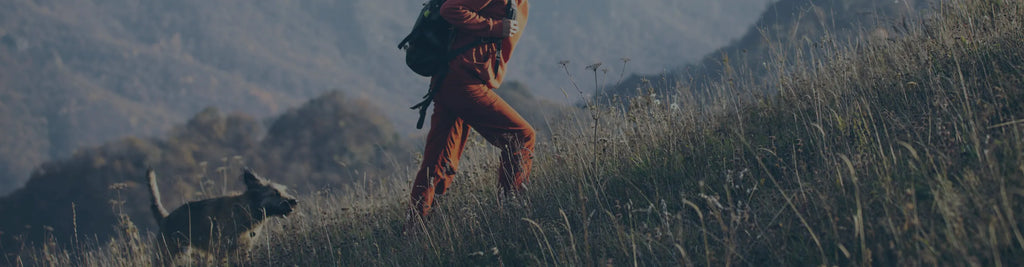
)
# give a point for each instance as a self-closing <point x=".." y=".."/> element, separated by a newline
<point x="791" y="26"/>
<point x="79" y="72"/>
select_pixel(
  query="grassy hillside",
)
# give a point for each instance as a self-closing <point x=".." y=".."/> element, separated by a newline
<point x="902" y="151"/>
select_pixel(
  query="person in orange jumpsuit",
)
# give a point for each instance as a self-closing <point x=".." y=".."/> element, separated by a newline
<point x="465" y="100"/>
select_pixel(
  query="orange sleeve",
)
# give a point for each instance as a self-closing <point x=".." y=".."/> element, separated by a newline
<point x="464" y="15"/>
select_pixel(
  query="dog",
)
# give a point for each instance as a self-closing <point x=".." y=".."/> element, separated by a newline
<point x="227" y="224"/>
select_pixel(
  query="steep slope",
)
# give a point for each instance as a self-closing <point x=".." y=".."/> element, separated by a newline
<point x="899" y="153"/>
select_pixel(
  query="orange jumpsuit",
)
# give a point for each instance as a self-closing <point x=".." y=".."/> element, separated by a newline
<point x="465" y="99"/>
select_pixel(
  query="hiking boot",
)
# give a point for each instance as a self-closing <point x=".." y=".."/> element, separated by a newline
<point x="510" y="201"/>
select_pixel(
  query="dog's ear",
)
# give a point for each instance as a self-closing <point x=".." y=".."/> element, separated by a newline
<point x="251" y="179"/>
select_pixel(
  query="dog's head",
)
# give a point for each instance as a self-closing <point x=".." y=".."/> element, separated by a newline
<point x="268" y="196"/>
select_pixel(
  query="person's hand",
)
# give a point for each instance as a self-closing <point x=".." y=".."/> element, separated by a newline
<point x="511" y="28"/>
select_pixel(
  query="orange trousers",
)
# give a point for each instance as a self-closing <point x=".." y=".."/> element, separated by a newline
<point x="458" y="108"/>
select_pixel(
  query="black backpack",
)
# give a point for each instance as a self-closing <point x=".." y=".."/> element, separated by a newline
<point x="427" y="47"/>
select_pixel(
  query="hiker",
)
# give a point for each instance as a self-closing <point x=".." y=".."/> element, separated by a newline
<point x="464" y="100"/>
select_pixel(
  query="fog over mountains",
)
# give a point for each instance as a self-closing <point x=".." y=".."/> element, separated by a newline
<point x="656" y="34"/>
<point x="76" y="73"/>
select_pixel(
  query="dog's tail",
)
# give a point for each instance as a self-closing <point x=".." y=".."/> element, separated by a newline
<point x="158" y="208"/>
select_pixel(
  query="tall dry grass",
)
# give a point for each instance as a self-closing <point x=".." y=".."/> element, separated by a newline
<point x="906" y="149"/>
